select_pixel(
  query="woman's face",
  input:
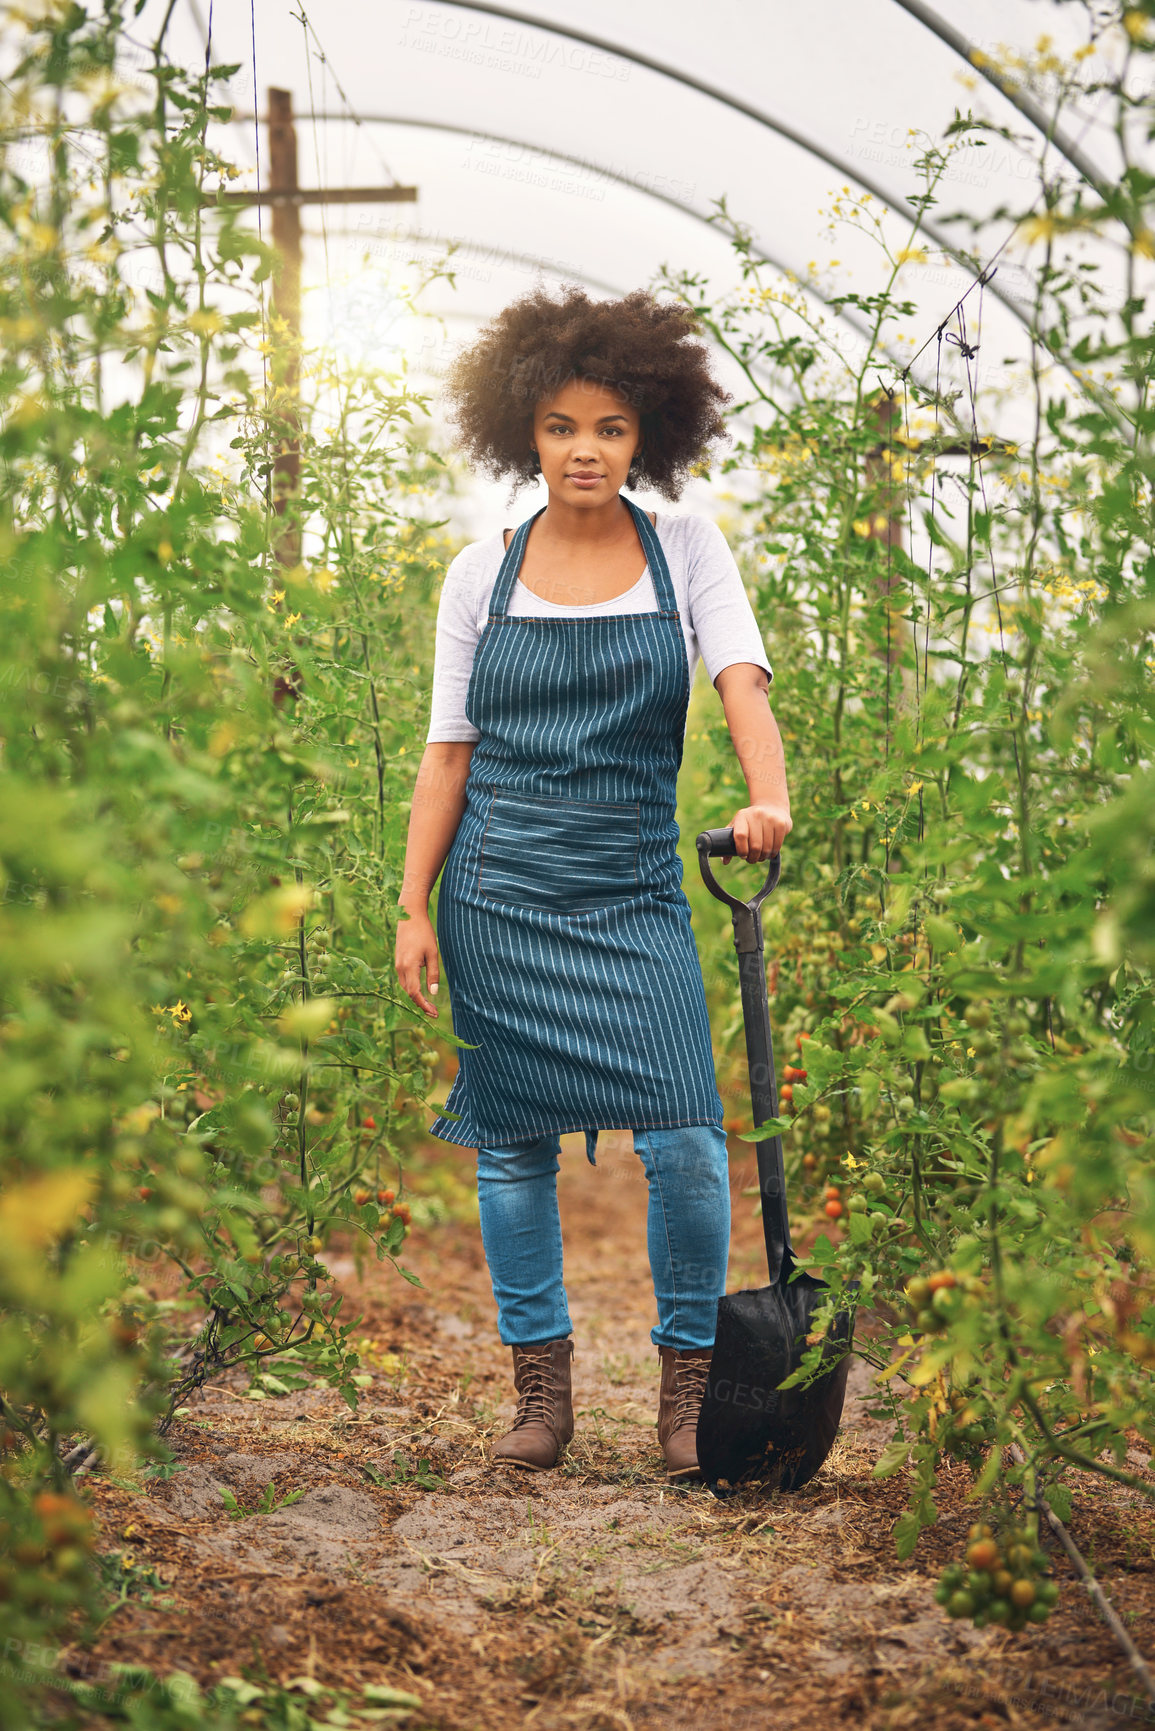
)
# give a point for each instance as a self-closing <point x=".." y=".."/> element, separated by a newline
<point x="585" y="435"/>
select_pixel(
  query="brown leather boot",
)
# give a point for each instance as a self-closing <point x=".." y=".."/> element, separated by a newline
<point x="544" y="1422"/>
<point x="684" y="1376"/>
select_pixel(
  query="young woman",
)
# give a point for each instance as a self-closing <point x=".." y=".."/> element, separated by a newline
<point x="547" y="791"/>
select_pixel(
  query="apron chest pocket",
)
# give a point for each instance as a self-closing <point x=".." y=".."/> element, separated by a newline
<point x="561" y="855"/>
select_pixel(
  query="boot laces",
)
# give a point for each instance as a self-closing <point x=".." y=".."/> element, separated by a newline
<point x="534" y="1398"/>
<point x="690" y="1378"/>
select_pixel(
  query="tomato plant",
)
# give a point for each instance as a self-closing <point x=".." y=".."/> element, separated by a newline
<point x="961" y="632"/>
<point x="207" y="757"/>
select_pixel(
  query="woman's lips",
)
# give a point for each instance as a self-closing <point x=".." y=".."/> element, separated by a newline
<point x="584" y="480"/>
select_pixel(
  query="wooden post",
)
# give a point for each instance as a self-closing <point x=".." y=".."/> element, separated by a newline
<point x="885" y="524"/>
<point x="285" y="197"/>
<point x="286" y="310"/>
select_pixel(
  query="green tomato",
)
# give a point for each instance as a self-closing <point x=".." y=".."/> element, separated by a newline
<point x="857" y="1203"/>
<point x="1038" y="1612"/>
<point x="874" y="1184"/>
<point x="960" y="1604"/>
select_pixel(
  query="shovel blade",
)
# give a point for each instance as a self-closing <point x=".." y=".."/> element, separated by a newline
<point x="747" y="1427"/>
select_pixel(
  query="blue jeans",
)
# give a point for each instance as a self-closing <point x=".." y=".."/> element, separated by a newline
<point x="687" y="1235"/>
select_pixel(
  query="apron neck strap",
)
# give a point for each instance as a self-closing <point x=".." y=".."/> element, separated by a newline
<point x="655" y="559"/>
<point x="510" y="566"/>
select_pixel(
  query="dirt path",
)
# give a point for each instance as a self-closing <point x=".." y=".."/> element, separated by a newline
<point x="596" y="1595"/>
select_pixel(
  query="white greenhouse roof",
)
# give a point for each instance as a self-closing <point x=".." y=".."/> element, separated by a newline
<point x="589" y="145"/>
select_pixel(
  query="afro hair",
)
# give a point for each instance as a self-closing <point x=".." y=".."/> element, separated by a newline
<point x="637" y="346"/>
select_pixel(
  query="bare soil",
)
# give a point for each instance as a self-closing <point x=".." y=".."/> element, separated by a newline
<point x="596" y="1595"/>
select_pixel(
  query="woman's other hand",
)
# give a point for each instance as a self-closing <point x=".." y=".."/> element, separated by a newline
<point x="417" y="949"/>
<point x="759" y="831"/>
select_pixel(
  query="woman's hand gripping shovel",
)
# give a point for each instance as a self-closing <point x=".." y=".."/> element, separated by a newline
<point x="749" y="1428"/>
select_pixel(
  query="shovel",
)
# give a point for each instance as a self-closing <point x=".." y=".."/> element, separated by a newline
<point x="748" y="1427"/>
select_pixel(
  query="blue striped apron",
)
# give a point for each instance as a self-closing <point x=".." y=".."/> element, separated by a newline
<point x="564" y="930"/>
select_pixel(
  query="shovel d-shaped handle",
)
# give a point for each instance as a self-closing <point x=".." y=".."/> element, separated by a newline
<point x="747" y="921"/>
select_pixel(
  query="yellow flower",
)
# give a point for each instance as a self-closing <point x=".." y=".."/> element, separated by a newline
<point x="911" y="255"/>
<point x="223" y="739"/>
<point x="277" y="912"/>
<point x="291" y="619"/>
<point x="205" y="323"/>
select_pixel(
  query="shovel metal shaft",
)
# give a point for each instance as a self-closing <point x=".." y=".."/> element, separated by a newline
<point x="747" y="918"/>
<point x="764" y="1100"/>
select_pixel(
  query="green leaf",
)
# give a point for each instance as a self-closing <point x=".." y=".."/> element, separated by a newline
<point x="772" y="1127"/>
<point x="822" y="1250"/>
<point x="893" y="1458"/>
<point x="988" y="1477"/>
<point x="906" y="1531"/>
<point x="860" y="1228"/>
<point x="384" y="1695"/>
<point x="1059" y="1498"/>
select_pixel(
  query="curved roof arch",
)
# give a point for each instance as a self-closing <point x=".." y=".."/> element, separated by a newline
<point x="784" y="130"/>
<point x="969" y="52"/>
<point x="463" y="244"/>
<point x="763" y="257"/>
<point x="755" y="114"/>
